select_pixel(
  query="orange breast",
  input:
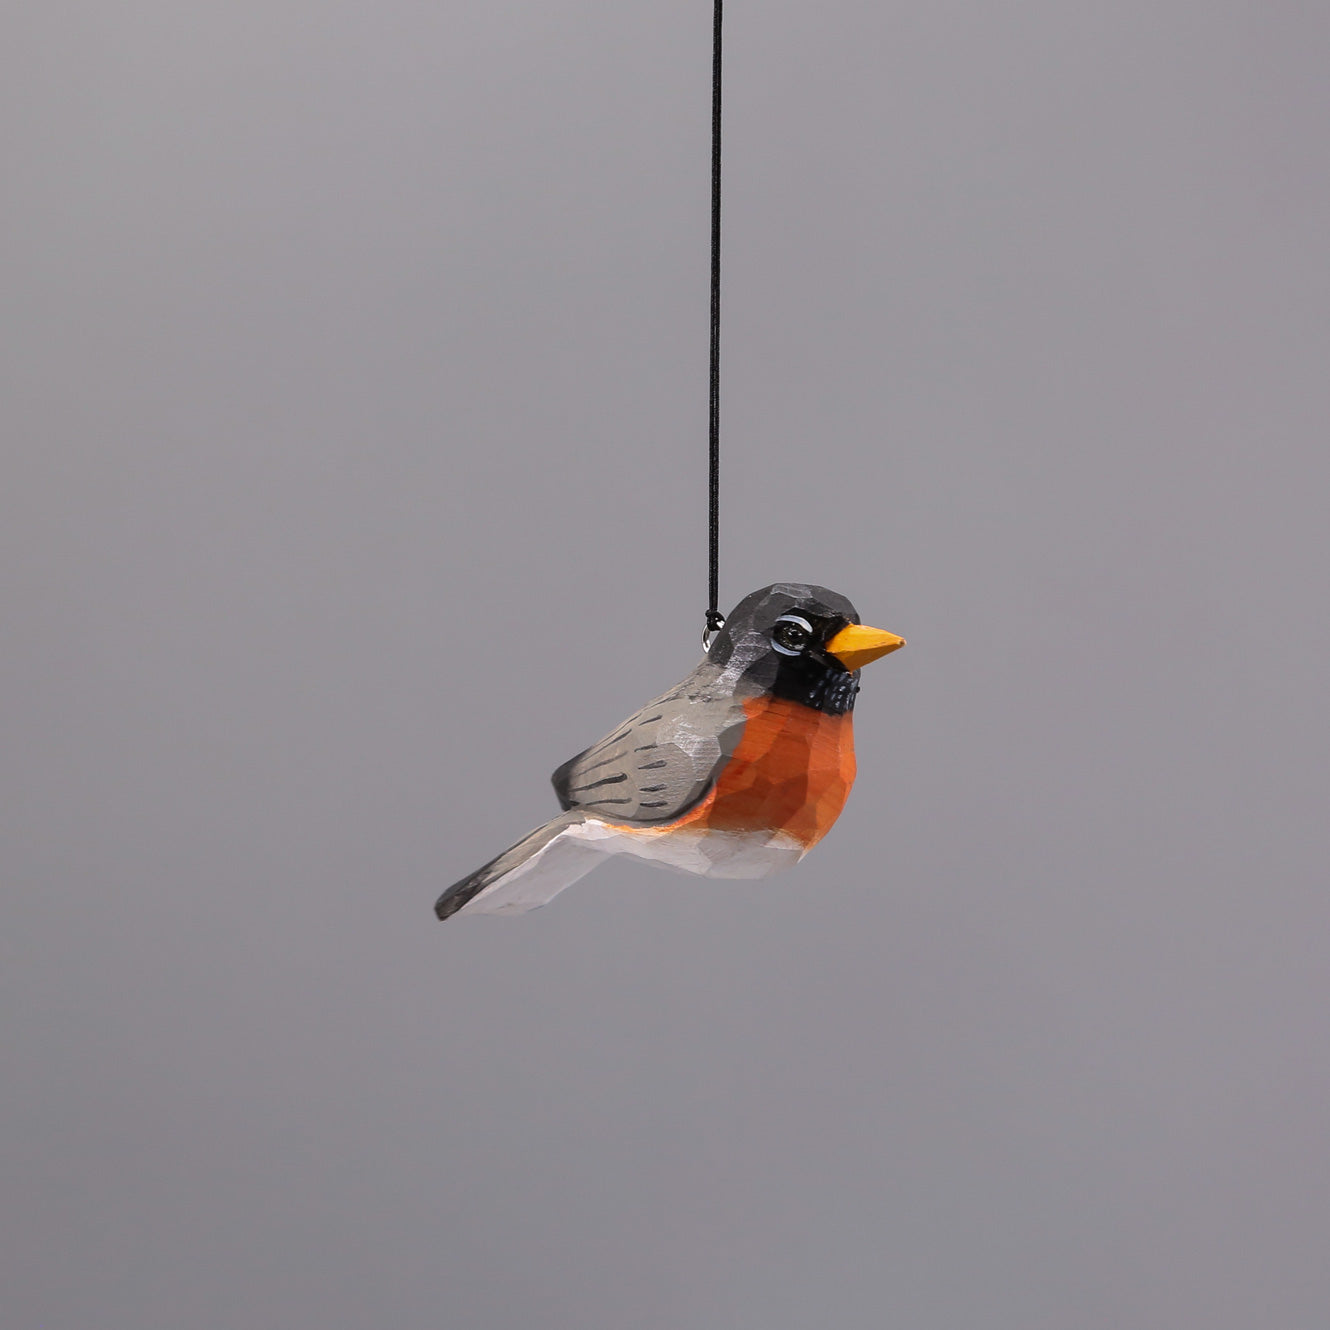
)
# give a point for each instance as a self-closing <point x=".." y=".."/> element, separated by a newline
<point x="791" y="772"/>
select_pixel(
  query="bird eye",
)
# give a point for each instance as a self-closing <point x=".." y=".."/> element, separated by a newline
<point x="791" y="635"/>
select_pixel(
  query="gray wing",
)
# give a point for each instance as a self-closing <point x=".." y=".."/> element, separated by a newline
<point x="659" y="763"/>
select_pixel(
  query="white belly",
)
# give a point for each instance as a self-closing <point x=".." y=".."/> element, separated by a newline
<point x="749" y="854"/>
<point x="577" y="849"/>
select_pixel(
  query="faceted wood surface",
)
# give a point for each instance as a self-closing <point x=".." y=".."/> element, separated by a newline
<point x="791" y="772"/>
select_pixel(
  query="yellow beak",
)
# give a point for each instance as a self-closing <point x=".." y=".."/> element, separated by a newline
<point x="855" y="645"/>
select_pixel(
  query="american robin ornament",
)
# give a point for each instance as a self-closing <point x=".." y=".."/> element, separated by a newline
<point x="737" y="772"/>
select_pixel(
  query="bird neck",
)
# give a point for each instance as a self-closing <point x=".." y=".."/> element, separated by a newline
<point x="822" y="687"/>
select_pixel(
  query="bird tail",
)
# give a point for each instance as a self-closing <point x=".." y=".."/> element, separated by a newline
<point x="529" y="875"/>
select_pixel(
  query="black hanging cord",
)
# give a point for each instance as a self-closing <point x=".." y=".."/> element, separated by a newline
<point x="715" y="619"/>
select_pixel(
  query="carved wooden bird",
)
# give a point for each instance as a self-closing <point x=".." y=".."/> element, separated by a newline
<point x="736" y="772"/>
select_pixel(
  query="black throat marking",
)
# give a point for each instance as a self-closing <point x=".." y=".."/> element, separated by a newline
<point x="816" y="683"/>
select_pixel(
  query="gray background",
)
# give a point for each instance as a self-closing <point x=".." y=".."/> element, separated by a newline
<point x="354" y="422"/>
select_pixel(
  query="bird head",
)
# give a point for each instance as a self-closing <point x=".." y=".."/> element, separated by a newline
<point x="799" y="642"/>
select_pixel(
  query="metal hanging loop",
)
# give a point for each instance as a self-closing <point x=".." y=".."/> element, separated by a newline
<point x="715" y="622"/>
